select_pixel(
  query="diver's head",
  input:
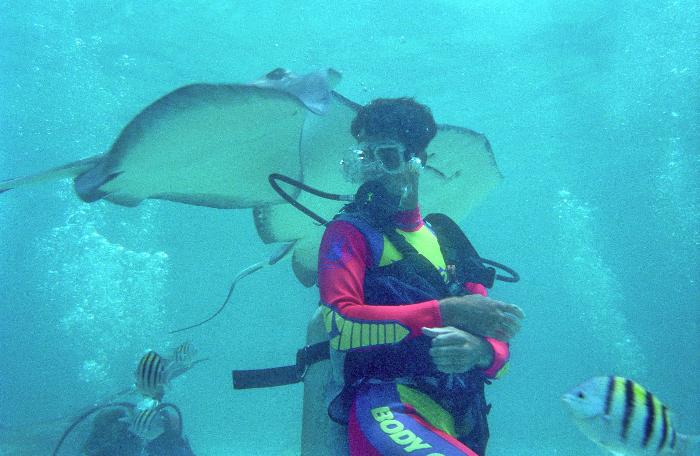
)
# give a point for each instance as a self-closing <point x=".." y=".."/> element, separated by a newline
<point x="392" y="135"/>
<point x="399" y="119"/>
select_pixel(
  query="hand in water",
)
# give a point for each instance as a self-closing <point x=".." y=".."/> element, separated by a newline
<point x="454" y="351"/>
<point x="482" y="316"/>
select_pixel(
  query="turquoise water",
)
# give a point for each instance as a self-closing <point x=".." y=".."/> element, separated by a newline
<point x="592" y="110"/>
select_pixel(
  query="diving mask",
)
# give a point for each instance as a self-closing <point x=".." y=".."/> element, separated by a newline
<point x="370" y="161"/>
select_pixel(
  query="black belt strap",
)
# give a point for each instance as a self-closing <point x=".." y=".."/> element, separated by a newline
<point x="285" y="375"/>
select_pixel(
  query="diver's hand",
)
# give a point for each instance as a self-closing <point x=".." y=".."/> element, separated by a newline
<point x="454" y="351"/>
<point x="481" y="316"/>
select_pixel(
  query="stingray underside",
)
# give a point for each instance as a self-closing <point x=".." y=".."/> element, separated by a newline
<point x="203" y="144"/>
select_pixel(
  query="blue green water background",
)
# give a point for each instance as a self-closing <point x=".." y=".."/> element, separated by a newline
<point x="592" y="109"/>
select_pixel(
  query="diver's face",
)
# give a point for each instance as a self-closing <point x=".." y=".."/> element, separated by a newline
<point x="388" y="155"/>
<point x="378" y="158"/>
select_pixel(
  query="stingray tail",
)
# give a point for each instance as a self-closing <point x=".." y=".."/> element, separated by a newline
<point x="274" y="258"/>
<point x="72" y="169"/>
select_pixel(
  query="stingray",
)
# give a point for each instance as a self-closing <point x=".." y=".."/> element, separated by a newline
<point x="216" y="144"/>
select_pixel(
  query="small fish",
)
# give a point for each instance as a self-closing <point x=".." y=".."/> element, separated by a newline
<point x="184" y="354"/>
<point x="152" y="374"/>
<point x="626" y="419"/>
<point x="148" y="423"/>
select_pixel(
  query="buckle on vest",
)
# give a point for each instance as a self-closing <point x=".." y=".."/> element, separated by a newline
<point x="302" y="362"/>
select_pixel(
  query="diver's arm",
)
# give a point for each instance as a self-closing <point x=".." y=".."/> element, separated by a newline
<point x="496" y="364"/>
<point x="343" y="259"/>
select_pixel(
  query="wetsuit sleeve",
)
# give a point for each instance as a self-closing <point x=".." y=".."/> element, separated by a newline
<point x="501" y="354"/>
<point x="501" y="350"/>
<point x="344" y="257"/>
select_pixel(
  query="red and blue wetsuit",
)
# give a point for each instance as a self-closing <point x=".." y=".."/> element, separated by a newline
<point x="397" y="413"/>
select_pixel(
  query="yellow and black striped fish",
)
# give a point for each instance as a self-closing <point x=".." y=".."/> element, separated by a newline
<point x="148" y="423"/>
<point x="626" y="419"/>
<point x="155" y="372"/>
<point x="152" y="374"/>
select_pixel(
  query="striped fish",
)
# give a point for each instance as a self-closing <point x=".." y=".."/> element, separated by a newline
<point x="626" y="419"/>
<point x="148" y="423"/>
<point x="152" y="374"/>
<point x="155" y="372"/>
<point x="184" y="354"/>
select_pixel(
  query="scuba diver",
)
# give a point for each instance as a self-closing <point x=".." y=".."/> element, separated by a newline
<point x="152" y="431"/>
<point x="413" y="337"/>
<point x="125" y="428"/>
<point x="146" y="426"/>
<point x="405" y="338"/>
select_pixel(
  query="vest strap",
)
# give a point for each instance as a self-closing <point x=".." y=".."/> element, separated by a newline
<point x="457" y="250"/>
<point x="284" y="375"/>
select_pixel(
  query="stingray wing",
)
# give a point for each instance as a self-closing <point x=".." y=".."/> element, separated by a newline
<point x="461" y="171"/>
<point x="205" y="144"/>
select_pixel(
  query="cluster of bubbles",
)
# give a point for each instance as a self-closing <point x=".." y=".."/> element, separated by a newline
<point x="678" y="194"/>
<point x="593" y="288"/>
<point x="110" y="298"/>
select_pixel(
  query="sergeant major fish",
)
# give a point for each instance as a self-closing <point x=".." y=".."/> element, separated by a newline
<point x="154" y="372"/>
<point x="626" y="419"/>
<point x="148" y="423"/>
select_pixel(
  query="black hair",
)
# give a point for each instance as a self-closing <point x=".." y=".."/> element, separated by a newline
<point x="402" y="119"/>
